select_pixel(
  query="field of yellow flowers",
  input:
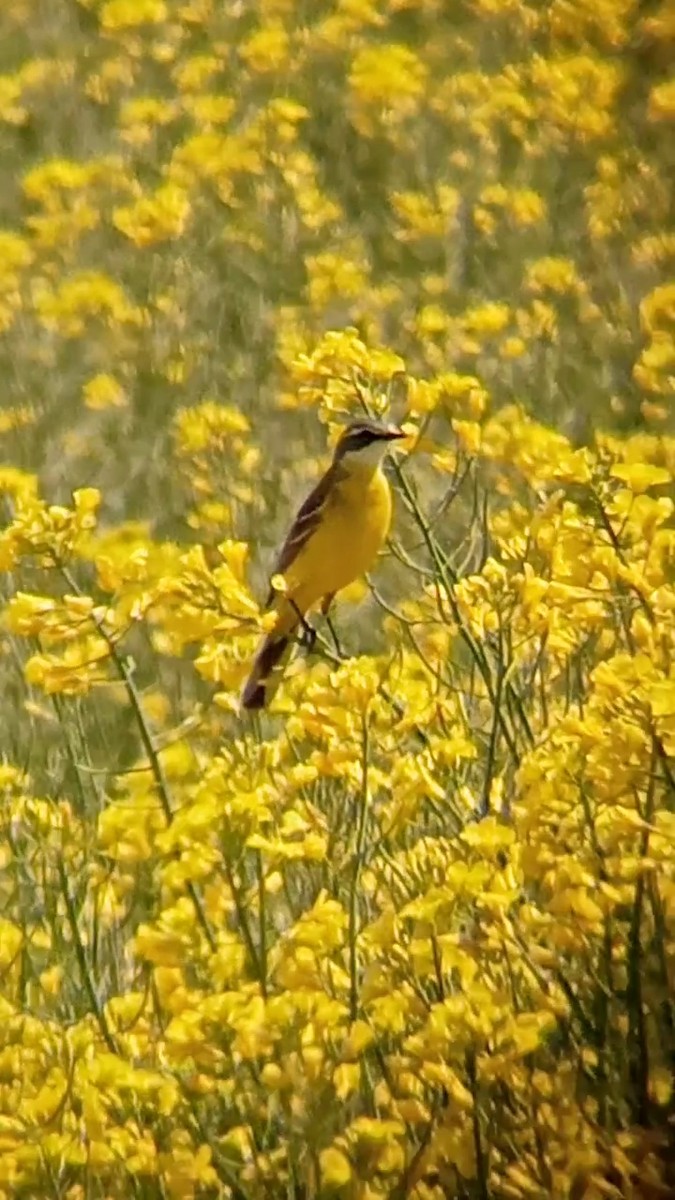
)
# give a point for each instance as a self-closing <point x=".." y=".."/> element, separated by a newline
<point x="411" y="933"/>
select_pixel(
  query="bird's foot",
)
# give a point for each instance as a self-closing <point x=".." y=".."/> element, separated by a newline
<point x="307" y="636"/>
<point x="306" y="632"/>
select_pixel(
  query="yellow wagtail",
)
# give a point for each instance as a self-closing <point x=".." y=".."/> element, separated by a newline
<point x="335" y="537"/>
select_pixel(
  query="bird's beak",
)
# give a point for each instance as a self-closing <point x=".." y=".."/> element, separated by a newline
<point x="392" y="433"/>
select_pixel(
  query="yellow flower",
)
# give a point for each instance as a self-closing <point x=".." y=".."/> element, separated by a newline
<point x="139" y="117"/>
<point x="159" y="217"/>
<point x="462" y="395"/>
<point x="387" y="79"/>
<point x="658" y="308"/>
<point x="217" y="156"/>
<point x="86" y="295"/>
<point x="11" y="939"/>
<point x="45" y="182"/>
<point x="654" y="249"/>
<point x="334" y="277"/>
<point x="425" y="215"/>
<point x="104" y="391"/>
<point x="115" y="74"/>
<point x="301" y="174"/>
<point x="585" y="20"/>
<point x="209" y="426"/>
<point x="266" y="50"/>
<point x="486" y="319"/>
<point x="557" y="275"/>
<point x="210" y="109"/>
<point x="15" y="253"/>
<point x="11" y="110"/>
<point x="127" y="14"/>
<point x="327" y="373"/>
<point x="432" y="320"/>
<point x="576" y="94"/>
<point x="193" y="72"/>
<point x="17" y="418"/>
<point x="524" y="206"/>
<point x="386" y="74"/>
<point x="513" y="347"/>
<point x="74" y="671"/>
<point x="336" y="1169"/>
<point x="641" y="476"/>
<point x="655" y="369"/>
<point x="662" y="102"/>
<point x="660" y="1085"/>
<point x="51" y="980"/>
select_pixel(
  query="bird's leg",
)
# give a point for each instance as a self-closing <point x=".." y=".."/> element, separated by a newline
<point x="325" y="609"/>
<point x="307" y="636"/>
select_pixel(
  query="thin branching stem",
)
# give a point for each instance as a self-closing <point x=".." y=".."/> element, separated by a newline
<point x="125" y="674"/>
<point x="361" y="828"/>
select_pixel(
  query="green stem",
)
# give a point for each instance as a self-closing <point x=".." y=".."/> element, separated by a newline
<point x="447" y="577"/>
<point x="479" y="1149"/>
<point x="262" y="918"/>
<point x="156" y="767"/>
<point x="82" y="963"/>
<point x="356" y="875"/>
<point x="242" y="920"/>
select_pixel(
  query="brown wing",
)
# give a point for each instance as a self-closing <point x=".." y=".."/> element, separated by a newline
<point x="306" y="520"/>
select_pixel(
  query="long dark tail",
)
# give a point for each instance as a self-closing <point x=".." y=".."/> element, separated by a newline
<point x="267" y="670"/>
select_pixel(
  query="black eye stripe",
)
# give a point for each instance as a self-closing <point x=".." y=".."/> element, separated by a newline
<point x="361" y="437"/>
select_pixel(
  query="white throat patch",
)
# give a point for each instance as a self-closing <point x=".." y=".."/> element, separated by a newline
<point x="368" y="457"/>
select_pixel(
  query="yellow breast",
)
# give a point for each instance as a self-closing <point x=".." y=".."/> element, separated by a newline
<point x="347" y="541"/>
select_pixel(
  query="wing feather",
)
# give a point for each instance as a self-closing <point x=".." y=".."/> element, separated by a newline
<point x="306" y="521"/>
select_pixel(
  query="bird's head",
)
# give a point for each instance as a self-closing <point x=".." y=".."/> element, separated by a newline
<point x="364" y="443"/>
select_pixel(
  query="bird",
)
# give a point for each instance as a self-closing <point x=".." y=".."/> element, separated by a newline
<point x="335" y="537"/>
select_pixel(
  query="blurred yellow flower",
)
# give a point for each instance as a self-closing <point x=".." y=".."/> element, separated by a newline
<point x="104" y="391"/>
<point x="386" y="74"/>
<point x="654" y="248"/>
<point x="159" y="217"/>
<point x="575" y="94"/>
<point x="87" y="295"/>
<point x="425" y="215"/>
<point x="557" y="275"/>
<point x="267" y="49"/>
<point x="336" y="1170"/>
<point x="140" y="117"/>
<point x="513" y="347"/>
<point x="15" y="253"/>
<point x="662" y="102"/>
<point x="657" y="309"/>
<point x="127" y="14"/>
<point x="387" y="81"/>
<point x="17" y="418"/>
<point x="209" y="426"/>
<point x="210" y="109"/>
<point x="641" y="476"/>
<point x="334" y="277"/>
